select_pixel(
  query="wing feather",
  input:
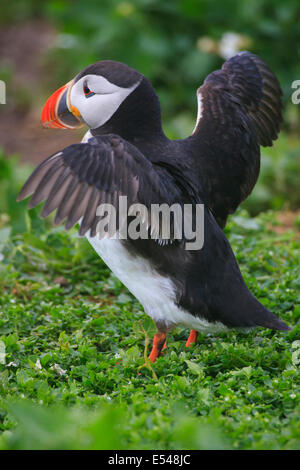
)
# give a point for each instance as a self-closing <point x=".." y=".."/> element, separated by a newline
<point x="45" y="184"/>
<point x="57" y="192"/>
<point x="67" y="201"/>
<point x="75" y="181"/>
<point x="240" y="109"/>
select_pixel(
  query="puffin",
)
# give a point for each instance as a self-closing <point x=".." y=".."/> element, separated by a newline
<point x="125" y="153"/>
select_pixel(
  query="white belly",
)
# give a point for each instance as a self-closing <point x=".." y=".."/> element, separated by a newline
<point x="155" y="292"/>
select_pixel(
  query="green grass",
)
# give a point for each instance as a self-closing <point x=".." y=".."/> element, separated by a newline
<point x="72" y="376"/>
<point x="73" y="340"/>
<point x="71" y="354"/>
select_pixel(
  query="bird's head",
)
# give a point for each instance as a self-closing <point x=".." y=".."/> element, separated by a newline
<point x="107" y="96"/>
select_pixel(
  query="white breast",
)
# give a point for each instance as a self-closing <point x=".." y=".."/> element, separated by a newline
<point x="155" y="292"/>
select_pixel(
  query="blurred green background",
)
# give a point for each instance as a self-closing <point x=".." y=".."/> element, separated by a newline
<point x="176" y="44"/>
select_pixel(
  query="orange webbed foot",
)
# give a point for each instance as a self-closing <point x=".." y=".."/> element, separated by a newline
<point x="159" y="343"/>
<point x="192" y="339"/>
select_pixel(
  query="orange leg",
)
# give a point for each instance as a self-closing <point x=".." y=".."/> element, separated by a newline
<point x="192" y="339"/>
<point x="159" y="342"/>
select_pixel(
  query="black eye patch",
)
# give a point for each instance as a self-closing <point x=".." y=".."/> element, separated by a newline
<point x="87" y="92"/>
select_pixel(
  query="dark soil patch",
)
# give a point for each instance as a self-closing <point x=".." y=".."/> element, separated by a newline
<point x="22" y="51"/>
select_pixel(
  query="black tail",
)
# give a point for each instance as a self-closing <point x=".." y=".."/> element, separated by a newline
<point x="244" y="310"/>
<point x="233" y="303"/>
<point x="267" y="319"/>
<point x="217" y="289"/>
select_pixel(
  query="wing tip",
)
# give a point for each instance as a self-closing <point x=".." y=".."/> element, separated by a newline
<point x="20" y="197"/>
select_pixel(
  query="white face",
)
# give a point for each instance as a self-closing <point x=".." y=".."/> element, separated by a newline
<point x="97" y="99"/>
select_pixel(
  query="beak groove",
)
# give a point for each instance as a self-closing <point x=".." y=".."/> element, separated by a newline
<point x="56" y="113"/>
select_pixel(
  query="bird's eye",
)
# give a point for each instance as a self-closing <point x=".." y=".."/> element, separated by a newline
<point x="87" y="91"/>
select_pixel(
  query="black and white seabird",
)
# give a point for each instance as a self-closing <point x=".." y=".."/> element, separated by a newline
<point x="126" y="152"/>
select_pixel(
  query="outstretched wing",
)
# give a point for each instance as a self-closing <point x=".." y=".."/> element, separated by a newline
<point x="239" y="109"/>
<point x="76" y="180"/>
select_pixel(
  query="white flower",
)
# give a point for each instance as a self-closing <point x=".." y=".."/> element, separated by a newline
<point x="58" y="369"/>
<point x="231" y="44"/>
<point x="38" y="364"/>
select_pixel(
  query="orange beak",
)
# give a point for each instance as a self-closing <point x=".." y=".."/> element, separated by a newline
<point x="58" y="112"/>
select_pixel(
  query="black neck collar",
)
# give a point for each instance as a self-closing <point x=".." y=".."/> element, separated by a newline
<point x="138" y="117"/>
